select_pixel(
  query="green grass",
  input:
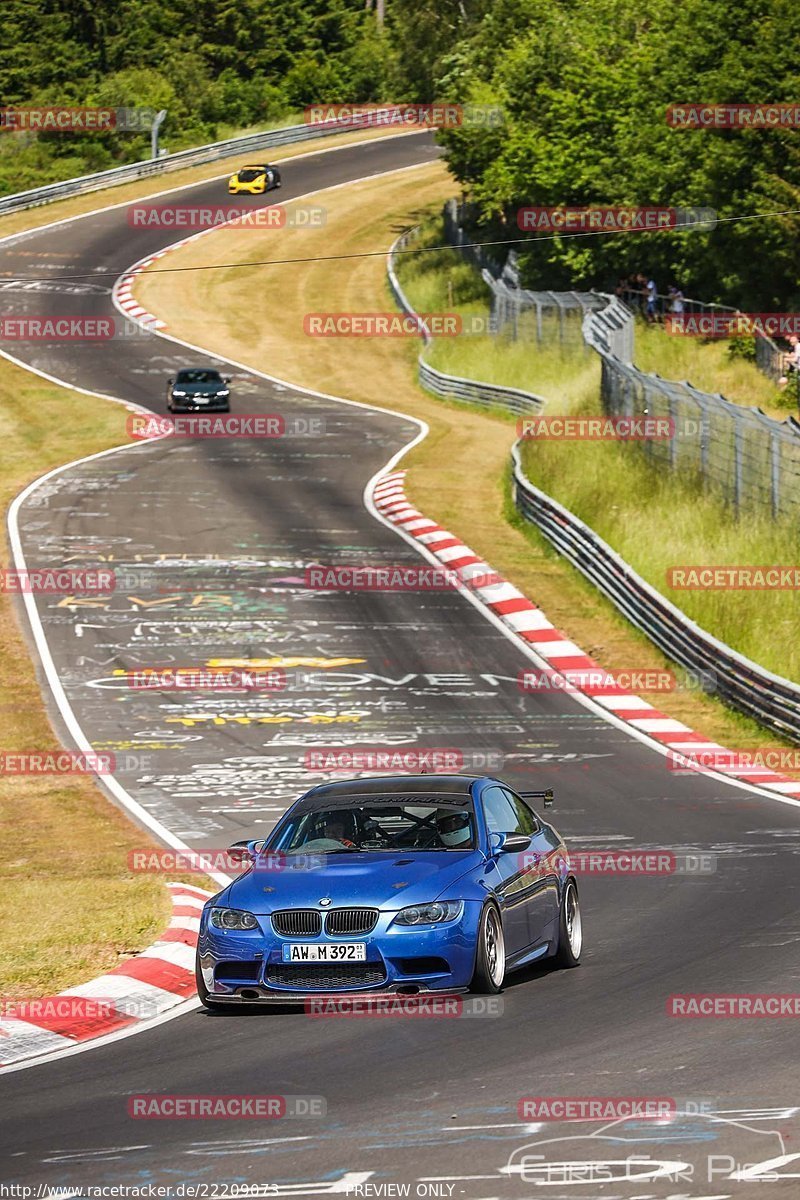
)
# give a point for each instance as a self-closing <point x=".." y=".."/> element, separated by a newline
<point x="64" y="856"/>
<point x="708" y="365"/>
<point x="444" y="282"/>
<point x="654" y="518"/>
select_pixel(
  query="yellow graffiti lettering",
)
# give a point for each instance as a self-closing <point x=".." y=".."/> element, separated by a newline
<point x="79" y="602"/>
<point x="154" y="603"/>
<point x="215" y="600"/>
<point x="266" y="719"/>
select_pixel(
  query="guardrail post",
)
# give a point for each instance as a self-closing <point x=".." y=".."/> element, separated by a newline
<point x="158" y="121"/>
<point x="775" y="464"/>
<point x="738" y="463"/>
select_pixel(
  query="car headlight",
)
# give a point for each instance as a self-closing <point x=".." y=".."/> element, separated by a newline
<point x="175" y="392"/>
<point x="430" y="914"/>
<point x="232" y="918"/>
<point x="224" y="392"/>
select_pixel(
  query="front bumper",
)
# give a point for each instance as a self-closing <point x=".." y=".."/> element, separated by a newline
<point x="190" y="405"/>
<point x="247" y="967"/>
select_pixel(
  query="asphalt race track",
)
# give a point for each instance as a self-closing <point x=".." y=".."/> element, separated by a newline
<point x="214" y="536"/>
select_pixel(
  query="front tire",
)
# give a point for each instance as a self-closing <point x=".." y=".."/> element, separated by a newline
<point x="490" y="957"/>
<point x="570" y="928"/>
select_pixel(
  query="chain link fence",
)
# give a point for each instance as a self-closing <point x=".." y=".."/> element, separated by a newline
<point x="770" y="699"/>
<point x="750" y="459"/>
<point x="455" y="387"/>
<point x="746" y="456"/>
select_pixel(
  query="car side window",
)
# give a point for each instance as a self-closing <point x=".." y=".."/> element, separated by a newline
<point x="498" y="808"/>
<point x="528" y="822"/>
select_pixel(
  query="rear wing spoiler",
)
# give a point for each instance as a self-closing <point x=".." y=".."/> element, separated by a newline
<point x="546" y="796"/>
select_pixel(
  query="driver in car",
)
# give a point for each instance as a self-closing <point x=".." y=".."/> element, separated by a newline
<point x="453" y="829"/>
<point x="332" y="827"/>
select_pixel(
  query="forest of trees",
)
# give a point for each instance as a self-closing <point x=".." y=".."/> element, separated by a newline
<point x="584" y="85"/>
<point x="215" y="65"/>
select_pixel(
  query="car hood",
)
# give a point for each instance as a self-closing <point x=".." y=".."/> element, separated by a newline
<point x="361" y="878"/>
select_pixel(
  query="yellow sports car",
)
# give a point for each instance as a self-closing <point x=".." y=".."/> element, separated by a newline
<point x="254" y="179"/>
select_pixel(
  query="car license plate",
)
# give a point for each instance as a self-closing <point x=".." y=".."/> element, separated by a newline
<point x="308" y="952"/>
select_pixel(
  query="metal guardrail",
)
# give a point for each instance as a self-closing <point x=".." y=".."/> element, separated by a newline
<point x="173" y="162"/>
<point x="750" y="459"/>
<point x="743" y="684"/>
<point x="455" y="387"/>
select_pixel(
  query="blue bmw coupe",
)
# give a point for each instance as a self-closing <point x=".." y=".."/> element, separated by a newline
<point x="405" y="884"/>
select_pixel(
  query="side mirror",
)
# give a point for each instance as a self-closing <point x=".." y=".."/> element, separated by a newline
<point x="509" y="843"/>
<point x="170" y="382"/>
<point x="239" y="850"/>
<point x="246" y="849"/>
<point x="227" y="379"/>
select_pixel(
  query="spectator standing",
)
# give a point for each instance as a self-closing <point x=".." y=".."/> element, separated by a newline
<point x="791" y="361"/>
<point x="675" y="299"/>
<point x="651" y="291"/>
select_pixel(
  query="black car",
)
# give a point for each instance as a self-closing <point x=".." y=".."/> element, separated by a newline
<point x="198" y="389"/>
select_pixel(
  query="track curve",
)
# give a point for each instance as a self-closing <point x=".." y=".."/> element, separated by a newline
<point x="228" y="526"/>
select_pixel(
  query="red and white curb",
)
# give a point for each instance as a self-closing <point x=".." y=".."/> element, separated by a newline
<point x="126" y="301"/>
<point x="532" y="627"/>
<point x="142" y="987"/>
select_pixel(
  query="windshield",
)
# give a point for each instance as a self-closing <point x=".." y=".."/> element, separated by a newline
<point x="407" y="825"/>
<point x="248" y="174"/>
<point x="198" y="375"/>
